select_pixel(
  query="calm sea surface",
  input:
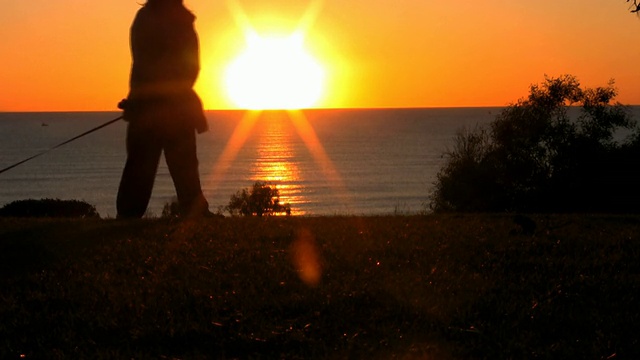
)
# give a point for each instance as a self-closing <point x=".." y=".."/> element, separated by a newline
<point x="323" y="162"/>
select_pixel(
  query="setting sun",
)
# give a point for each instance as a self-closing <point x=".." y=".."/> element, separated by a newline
<point x="275" y="72"/>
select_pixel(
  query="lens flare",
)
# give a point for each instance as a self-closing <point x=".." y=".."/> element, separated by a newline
<point x="306" y="257"/>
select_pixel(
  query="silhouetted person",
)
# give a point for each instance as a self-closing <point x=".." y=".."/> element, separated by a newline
<point x="162" y="109"/>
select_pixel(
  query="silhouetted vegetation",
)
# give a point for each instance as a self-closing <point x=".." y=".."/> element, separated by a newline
<point x="261" y="200"/>
<point x="49" y="208"/>
<point x="635" y="7"/>
<point x="542" y="155"/>
<point x="171" y="209"/>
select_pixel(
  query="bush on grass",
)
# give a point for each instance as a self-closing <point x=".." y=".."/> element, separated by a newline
<point x="261" y="200"/>
<point x="49" y="208"/>
<point x="171" y="209"/>
<point x="536" y="157"/>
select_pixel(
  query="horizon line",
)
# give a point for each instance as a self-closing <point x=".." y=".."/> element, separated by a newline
<point x="303" y="109"/>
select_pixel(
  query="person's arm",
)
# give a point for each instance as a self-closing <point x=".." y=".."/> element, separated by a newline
<point x="190" y="55"/>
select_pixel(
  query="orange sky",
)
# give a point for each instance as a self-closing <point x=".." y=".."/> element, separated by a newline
<point x="68" y="55"/>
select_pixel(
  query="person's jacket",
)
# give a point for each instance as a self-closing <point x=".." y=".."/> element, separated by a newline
<point x="166" y="63"/>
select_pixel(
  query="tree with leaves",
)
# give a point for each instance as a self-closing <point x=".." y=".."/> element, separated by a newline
<point x="543" y="154"/>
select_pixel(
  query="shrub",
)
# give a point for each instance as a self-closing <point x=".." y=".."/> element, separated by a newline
<point x="535" y="157"/>
<point x="262" y="199"/>
<point x="49" y="208"/>
<point x="171" y="209"/>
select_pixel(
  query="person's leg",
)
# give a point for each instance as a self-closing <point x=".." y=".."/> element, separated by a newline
<point x="182" y="161"/>
<point x="136" y="184"/>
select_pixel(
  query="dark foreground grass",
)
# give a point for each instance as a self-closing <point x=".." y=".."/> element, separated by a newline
<point x="433" y="287"/>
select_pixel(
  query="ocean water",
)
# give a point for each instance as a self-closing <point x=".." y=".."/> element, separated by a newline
<point x="323" y="162"/>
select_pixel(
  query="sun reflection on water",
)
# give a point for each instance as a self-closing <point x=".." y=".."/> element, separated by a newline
<point x="283" y="141"/>
<point x="276" y="161"/>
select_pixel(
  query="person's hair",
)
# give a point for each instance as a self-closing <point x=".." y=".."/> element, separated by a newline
<point x="151" y="2"/>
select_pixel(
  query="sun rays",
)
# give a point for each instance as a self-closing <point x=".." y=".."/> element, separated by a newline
<point x="275" y="70"/>
<point x="274" y="164"/>
<point x="288" y="79"/>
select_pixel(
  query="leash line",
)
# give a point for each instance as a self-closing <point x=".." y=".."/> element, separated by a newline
<point x="61" y="144"/>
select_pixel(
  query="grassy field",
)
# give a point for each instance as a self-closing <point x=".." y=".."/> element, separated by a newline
<point x="423" y="287"/>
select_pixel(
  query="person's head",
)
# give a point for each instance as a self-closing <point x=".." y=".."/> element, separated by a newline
<point x="163" y="2"/>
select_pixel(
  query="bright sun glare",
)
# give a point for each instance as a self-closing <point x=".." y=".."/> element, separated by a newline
<point x="275" y="72"/>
